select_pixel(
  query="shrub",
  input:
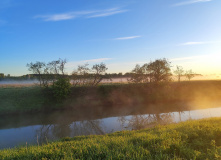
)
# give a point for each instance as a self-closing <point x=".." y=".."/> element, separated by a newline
<point x="61" y="88"/>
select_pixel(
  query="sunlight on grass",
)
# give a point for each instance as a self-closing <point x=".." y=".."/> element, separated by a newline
<point x="187" y="140"/>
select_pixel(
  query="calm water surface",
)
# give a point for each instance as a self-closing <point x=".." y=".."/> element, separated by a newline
<point x="43" y="128"/>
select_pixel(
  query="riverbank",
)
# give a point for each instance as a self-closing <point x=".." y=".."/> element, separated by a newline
<point x="160" y="98"/>
<point x="164" y="97"/>
<point x="198" y="139"/>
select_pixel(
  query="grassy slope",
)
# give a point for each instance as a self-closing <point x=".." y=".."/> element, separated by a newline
<point x="16" y="99"/>
<point x="199" y="139"/>
<point x="32" y="99"/>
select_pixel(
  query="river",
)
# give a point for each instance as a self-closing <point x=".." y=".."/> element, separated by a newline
<point x="41" y="128"/>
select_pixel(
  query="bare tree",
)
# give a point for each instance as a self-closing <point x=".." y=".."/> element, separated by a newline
<point x="62" y="65"/>
<point x="99" y="71"/>
<point x="54" y="67"/>
<point x="81" y="76"/>
<point x="86" y="76"/>
<point x="47" y="73"/>
<point x="179" y="72"/>
<point x="189" y="74"/>
<point x="37" y="68"/>
<point x="53" y="70"/>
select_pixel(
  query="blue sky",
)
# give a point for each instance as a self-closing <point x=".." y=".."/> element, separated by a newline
<point x="120" y="33"/>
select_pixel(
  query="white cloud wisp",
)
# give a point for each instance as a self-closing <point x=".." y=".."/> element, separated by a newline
<point x="190" y="2"/>
<point x="81" y="14"/>
<point x="125" y="38"/>
<point x="198" y="43"/>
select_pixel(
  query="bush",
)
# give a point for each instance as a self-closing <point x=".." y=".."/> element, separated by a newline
<point x="61" y="88"/>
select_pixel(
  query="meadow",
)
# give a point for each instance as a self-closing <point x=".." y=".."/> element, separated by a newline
<point x="199" y="139"/>
<point x="164" y="97"/>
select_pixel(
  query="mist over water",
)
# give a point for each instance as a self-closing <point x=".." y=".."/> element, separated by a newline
<point x="113" y="80"/>
<point x="44" y="127"/>
<point x="18" y="82"/>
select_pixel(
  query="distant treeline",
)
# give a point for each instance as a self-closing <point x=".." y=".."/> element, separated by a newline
<point x="48" y="73"/>
<point x="19" y="78"/>
<point x="35" y="76"/>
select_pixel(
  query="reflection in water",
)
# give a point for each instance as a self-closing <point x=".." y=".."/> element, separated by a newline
<point x="87" y="128"/>
<point x="61" y="130"/>
<point x="57" y="131"/>
<point x="137" y="122"/>
<point x="38" y="129"/>
<point x="42" y="133"/>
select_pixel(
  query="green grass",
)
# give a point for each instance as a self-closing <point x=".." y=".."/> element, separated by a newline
<point x="199" y="139"/>
<point x="17" y="99"/>
<point x="14" y="100"/>
<point x="165" y="97"/>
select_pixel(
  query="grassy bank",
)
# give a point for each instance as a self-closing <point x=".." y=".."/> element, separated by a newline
<point x="187" y="140"/>
<point x="15" y="100"/>
<point x="18" y="99"/>
<point x="162" y="97"/>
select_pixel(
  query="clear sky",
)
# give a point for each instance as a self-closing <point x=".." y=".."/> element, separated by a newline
<point x="120" y="33"/>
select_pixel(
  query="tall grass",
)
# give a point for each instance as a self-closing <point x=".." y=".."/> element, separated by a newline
<point x="187" y="140"/>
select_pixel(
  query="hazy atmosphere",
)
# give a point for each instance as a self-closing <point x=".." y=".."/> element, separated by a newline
<point x="110" y="79"/>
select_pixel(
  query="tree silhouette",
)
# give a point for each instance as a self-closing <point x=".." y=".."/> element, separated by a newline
<point x="179" y="72"/>
<point x="156" y="71"/>
<point x="189" y="74"/>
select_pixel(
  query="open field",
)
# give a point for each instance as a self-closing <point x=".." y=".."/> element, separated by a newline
<point x="187" y="140"/>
